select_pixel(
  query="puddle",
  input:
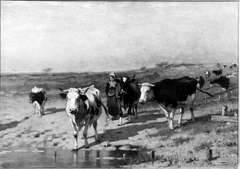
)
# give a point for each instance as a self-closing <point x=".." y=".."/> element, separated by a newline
<point x="60" y="158"/>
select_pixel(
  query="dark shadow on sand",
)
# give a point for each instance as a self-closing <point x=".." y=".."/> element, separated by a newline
<point x="12" y="124"/>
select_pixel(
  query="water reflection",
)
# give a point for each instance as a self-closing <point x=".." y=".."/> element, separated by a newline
<point x="68" y="159"/>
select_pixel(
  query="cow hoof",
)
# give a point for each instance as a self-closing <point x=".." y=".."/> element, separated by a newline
<point x="75" y="149"/>
<point x="128" y="122"/>
<point x="119" y="124"/>
<point x="98" y="140"/>
<point x="86" y="147"/>
<point x="179" y="125"/>
<point x="136" y="117"/>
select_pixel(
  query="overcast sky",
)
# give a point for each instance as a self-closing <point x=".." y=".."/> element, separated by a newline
<point x="98" y="36"/>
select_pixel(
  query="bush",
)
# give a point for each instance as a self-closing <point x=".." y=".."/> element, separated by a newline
<point x="143" y="68"/>
<point x="161" y="64"/>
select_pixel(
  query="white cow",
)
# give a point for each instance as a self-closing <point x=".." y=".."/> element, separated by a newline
<point x="83" y="108"/>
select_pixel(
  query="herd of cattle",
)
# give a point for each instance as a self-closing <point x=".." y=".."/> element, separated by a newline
<point x="84" y="105"/>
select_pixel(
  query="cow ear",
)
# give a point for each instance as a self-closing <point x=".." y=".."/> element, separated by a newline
<point x="63" y="95"/>
<point x="83" y="97"/>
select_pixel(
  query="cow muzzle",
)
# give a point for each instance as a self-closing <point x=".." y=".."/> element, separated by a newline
<point x="123" y="92"/>
<point x="142" y="101"/>
<point x="72" y="110"/>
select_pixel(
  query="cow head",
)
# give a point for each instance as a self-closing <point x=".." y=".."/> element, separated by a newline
<point x="124" y="81"/>
<point x="198" y="82"/>
<point x="73" y="96"/>
<point x="146" y="92"/>
<point x="207" y="74"/>
<point x="32" y="97"/>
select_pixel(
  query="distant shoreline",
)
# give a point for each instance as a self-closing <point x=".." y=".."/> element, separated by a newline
<point x="90" y="72"/>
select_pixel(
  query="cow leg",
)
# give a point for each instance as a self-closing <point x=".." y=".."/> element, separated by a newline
<point x="166" y="113"/>
<point x="82" y="134"/>
<point x="135" y="111"/>
<point x="85" y="133"/>
<point x="192" y="115"/>
<point x="42" y="107"/>
<point x="171" y="117"/>
<point x="34" y="108"/>
<point x="39" y="109"/>
<point x="180" y="117"/>
<point x="97" y="139"/>
<point x="75" y="134"/>
<point x="120" y="114"/>
<point x="129" y="114"/>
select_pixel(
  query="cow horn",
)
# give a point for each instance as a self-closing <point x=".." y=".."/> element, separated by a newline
<point x="139" y="84"/>
<point x="83" y="91"/>
<point x="63" y="90"/>
<point x="152" y="85"/>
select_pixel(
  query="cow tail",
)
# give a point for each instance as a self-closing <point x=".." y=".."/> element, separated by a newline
<point x="105" y="108"/>
<point x="205" y="92"/>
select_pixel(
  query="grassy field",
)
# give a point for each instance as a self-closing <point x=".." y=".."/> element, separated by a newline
<point x="185" y="146"/>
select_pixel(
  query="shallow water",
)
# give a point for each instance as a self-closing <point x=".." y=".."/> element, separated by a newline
<point x="59" y="158"/>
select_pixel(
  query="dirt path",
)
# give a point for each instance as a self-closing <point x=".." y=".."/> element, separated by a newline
<point x="20" y="129"/>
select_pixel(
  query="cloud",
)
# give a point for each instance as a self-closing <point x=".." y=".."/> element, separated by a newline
<point x="86" y="36"/>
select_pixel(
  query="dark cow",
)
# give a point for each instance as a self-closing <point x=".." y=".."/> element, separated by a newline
<point x="83" y="108"/>
<point x="171" y="94"/>
<point x="225" y="81"/>
<point x="234" y="65"/>
<point x="129" y="96"/>
<point x="207" y="74"/>
<point x="218" y="65"/>
<point x="200" y="82"/>
<point x="38" y="98"/>
<point x="217" y="72"/>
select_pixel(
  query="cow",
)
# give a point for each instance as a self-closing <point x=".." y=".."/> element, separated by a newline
<point x="217" y="72"/>
<point x="233" y="74"/>
<point x="38" y="98"/>
<point x="207" y="74"/>
<point x="218" y="65"/>
<point x="129" y="96"/>
<point x="83" y="108"/>
<point x="234" y="65"/>
<point x="200" y="82"/>
<point x="171" y="94"/>
<point x="225" y="82"/>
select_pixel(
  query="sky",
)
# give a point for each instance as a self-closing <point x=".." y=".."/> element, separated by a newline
<point x="112" y="36"/>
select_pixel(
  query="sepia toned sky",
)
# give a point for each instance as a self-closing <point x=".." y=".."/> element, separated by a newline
<point x="103" y="36"/>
